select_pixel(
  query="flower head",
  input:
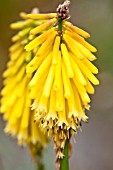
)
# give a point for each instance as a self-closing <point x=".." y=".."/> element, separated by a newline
<point x="16" y="102"/>
<point x="63" y="75"/>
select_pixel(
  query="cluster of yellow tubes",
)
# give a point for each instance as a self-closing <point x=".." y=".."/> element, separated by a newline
<point x="16" y="101"/>
<point x="48" y="79"/>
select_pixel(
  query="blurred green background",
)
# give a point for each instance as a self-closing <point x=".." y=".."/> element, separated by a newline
<point x="94" y="146"/>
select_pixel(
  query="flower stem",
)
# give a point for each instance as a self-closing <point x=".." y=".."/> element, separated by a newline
<point x="40" y="166"/>
<point x="64" y="163"/>
<point x="60" y="24"/>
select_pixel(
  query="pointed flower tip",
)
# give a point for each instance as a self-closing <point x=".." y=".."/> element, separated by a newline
<point x="11" y="26"/>
<point x="26" y="48"/>
<point x="97" y="83"/>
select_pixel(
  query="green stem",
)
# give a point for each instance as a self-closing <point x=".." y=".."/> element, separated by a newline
<point x="64" y="163"/>
<point x="40" y="167"/>
<point x="60" y="24"/>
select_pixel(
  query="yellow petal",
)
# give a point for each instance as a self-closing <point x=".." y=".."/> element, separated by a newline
<point x="52" y="108"/>
<point x="66" y="60"/>
<point x="81" y="40"/>
<point x="87" y="72"/>
<point x="66" y="82"/>
<point x="77" y="30"/>
<point x="72" y="47"/>
<point x="84" y="51"/>
<point x="44" y="26"/>
<point x="39" y="40"/>
<point x="62" y="116"/>
<point x="16" y="54"/>
<point x="77" y="72"/>
<point x="21" y="24"/>
<point x="57" y="72"/>
<point x="14" y="47"/>
<point x="79" y="104"/>
<point x="41" y="16"/>
<point x="82" y="91"/>
<point x="56" y="49"/>
<point x="43" y="67"/>
<point x="35" y="89"/>
<point x="44" y="46"/>
<point x="89" y="87"/>
<point x="92" y="68"/>
<point x="60" y="97"/>
<point x="49" y="82"/>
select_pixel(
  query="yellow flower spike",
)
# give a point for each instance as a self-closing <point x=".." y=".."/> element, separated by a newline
<point x="66" y="60"/>
<point x="41" y="16"/>
<point x="57" y="73"/>
<point x="49" y="81"/>
<point x="66" y="82"/>
<point x="43" y="26"/>
<point x="56" y="49"/>
<point x="39" y="40"/>
<point x="84" y="51"/>
<point x="43" y="67"/>
<point x="81" y="40"/>
<point x="44" y="46"/>
<point x="16" y="101"/>
<point x="76" y="29"/>
<point x="73" y="48"/>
